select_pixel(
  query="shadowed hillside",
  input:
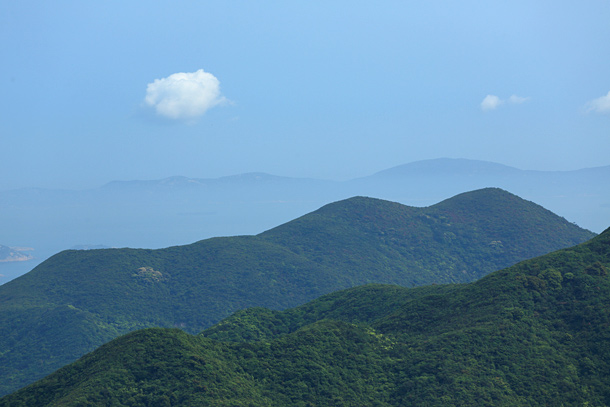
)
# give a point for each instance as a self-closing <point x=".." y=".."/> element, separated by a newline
<point x="537" y="333"/>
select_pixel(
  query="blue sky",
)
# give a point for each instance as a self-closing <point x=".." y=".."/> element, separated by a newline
<point x="101" y="91"/>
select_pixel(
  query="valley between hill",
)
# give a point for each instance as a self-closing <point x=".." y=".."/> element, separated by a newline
<point x="537" y="333"/>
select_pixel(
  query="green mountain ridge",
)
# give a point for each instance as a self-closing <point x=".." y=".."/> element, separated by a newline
<point x="77" y="300"/>
<point x="536" y="333"/>
<point x="177" y="210"/>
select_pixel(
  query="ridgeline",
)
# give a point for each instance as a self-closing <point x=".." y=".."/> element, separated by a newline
<point x="77" y="300"/>
<point x="536" y="333"/>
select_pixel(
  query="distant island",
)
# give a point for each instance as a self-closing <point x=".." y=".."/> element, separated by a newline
<point x="9" y="254"/>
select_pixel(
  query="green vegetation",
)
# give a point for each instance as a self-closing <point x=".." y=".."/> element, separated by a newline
<point x="77" y="300"/>
<point x="536" y="333"/>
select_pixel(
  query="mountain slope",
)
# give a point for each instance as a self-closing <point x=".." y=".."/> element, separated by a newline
<point x="582" y="196"/>
<point x="537" y="333"/>
<point x="457" y="240"/>
<point x="180" y="210"/>
<point x="77" y="300"/>
<point x="446" y="167"/>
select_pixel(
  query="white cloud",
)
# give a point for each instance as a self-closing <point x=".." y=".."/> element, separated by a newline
<point x="184" y="95"/>
<point x="517" y="100"/>
<point x="600" y="105"/>
<point x="492" y="102"/>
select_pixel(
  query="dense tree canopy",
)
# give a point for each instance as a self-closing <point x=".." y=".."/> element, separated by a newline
<point x="78" y="300"/>
<point x="537" y="333"/>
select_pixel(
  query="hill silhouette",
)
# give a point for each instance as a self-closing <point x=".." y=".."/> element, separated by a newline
<point x="536" y="333"/>
<point x="180" y="210"/>
<point x="77" y="300"/>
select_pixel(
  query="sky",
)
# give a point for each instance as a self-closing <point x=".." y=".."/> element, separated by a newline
<point x="123" y="90"/>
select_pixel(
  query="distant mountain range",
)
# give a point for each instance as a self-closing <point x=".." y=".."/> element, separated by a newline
<point x="79" y="299"/>
<point x="534" y="334"/>
<point x="181" y="210"/>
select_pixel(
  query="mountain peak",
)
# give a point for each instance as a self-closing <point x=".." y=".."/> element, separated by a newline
<point x="536" y="333"/>
<point x="80" y="299"/>
<point x="447" y="166"/>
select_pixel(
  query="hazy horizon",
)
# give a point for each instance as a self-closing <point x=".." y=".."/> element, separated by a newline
<point x="96" y="92"/>
<point x="109" y="181"/>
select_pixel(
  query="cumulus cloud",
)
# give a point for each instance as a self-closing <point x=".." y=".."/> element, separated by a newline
<point x="184" y="95"/>
<point x="492" y="102"/>
<point x="517" y="100"/>
<point x="600" y="105"/>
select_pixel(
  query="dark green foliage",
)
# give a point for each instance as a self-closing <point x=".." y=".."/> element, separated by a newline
<point x="77" y="300"/>
<point x="537" y="333"/>
<point x="458" y="240"/>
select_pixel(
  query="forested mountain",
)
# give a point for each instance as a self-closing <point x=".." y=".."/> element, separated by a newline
<point x="536" y="333"/>
<point x="180" y="210"/>
<point x="78" y="300"/>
